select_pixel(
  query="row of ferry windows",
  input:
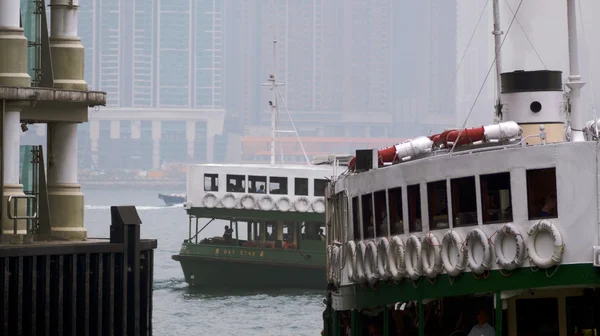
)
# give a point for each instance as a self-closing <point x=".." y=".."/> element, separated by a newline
<point x="277" y="185"/>
<point x="495" y="203"/>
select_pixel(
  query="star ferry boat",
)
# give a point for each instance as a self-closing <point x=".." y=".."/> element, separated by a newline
<point x="490" y="230"/>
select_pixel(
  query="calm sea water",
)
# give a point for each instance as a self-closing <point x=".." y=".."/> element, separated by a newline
<point x="179" y="310"/>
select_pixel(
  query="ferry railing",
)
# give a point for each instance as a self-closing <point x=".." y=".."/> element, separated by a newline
<point x="15" y="217"/>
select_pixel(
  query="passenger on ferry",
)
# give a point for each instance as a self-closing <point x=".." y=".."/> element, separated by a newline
<point x="374" y="330"/>
<point x="482" y="328"/>
<point x="261" y="189"/>
<point x="549" y="208"/>
<point x="227" y="235"/>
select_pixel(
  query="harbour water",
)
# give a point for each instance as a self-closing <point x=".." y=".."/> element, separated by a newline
<point x="179" y="310"/>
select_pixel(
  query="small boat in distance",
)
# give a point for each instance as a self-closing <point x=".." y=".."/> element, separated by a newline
<point x="172" y="199"/>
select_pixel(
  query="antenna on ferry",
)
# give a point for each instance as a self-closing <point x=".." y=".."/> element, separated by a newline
<point x="274" y="87"/>
<point x="575" y="83"/>
<point x="497" y="44"/>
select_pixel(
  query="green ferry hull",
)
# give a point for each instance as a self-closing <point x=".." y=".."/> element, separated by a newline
<point x="203" y="271"/>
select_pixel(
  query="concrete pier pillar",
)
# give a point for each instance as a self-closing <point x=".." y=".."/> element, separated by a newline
<point x="13" y="72"/>
<point x="64" y="193"/>
<point x="65" y="46"/>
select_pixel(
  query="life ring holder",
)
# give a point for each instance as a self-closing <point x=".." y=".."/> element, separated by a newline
<point x="487" y="255"/>
<point x="370" y="265"/>
<point x="351" y="260"/>
<point x="210" y="200"/>
<point x="452" y="238"/>
<point x="383" y="260"/>
<point x="431" y="244"/>
<point x="413" y="245"/>
<point x="248" y="202"/>
<point x="397" y="258"/>
<point x="556" y="257"/>
<point x="361" y="248"/>
<point x="509" y="230"/>
<point x="266" y="203"/>
<point x="228" y="201"/>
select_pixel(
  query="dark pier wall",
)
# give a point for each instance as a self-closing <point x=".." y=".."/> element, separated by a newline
<point x="97" y="287"/>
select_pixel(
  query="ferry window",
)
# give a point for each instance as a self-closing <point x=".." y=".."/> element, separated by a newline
<point x="541" y="193"/>
<point x="320" y="185"/>
<point x="236" y="183"/>
<point x="537" y="316"/>
<point x="367" y="216"/>
<point x="278" y="185"/>
<point x="257" y="184"/>
<point x="211" y="182"/>
<point x="355" y="221"/>
<point x="581" y="315"/>
<point x="464" y="201"/>
<point x="395" y="210"/>
<point x="414" y="208"/>
<point x="495" y="198"/>
<point x="438" y="205"/>
<point x="381" y="214"/>
<point x="301" y="186"/>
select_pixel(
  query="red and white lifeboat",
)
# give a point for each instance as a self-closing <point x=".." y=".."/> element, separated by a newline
<point x="492" y="133"/>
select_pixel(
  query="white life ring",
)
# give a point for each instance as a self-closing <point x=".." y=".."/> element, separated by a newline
<point x="431" y="245"/>
<point x="370" y="266"/>
<point x="351" y="260"/>
<point x="283" y="204"/>
<point x="266" y="203"/>
<point x="556" y="257"/>
<point x="228" y="201"/>
<point x="452" y="238"/>
<point x="397" y="259"/>
<point x="361" y="250"/>
<point x="210" y="200"/>
<point x="301" y="204"/>
<point x="383" y="259"/>
<point x="248" y="202"/>
<point x="509" y="230"/>
<point x="318" y="206"/>
<point x="414" y="266"/>
<point x="484" y="265"/>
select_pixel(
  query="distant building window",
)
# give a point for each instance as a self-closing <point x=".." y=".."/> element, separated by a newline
<point x="395" y="211"/>
<point x="211" y="182"/>
<point x="257" y="184"/>
<point x="301" y="186"/>
<point x="236" y="183"/>
<point x="278" y="185"/>
<point x="495" y="198"/>
<point x="464" y="201"/>
<point x="437" y="202"/>
<point x="541" y="193"/>
<point x="414" y="208"/>
<point x="320" y="185"/>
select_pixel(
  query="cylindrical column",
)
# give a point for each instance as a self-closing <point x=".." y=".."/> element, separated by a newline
<point x="12" y="137"/>
<point x="64" y="193"/>
<point x="575" y="83"/>
<point x="10" y="13"/>
<point x="65" y="46"/>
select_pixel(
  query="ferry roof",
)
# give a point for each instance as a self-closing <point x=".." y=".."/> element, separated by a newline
<point x="266" y="166"/>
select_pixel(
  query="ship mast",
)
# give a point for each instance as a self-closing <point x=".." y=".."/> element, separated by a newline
<point x="497" y="44"/>
<point x="575" y="83"/>
<point x="272" y="82"/>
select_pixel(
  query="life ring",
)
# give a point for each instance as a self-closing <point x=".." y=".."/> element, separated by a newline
<point x="210" y="200"/>
<point x="228" y="201"/>
<point x="431" y="244"/>
<point x="318" y="206"/>
<point x="509" y="230"/>
<point x="383" y="259"/>
<point x="556" y="257"/>
<point x="248" y="202"/>
<point x="360" y="262"/>
<point x="370" y="265"/>
<point x="283" y="204"/>
<point x="453" y="239"/>
<point x="266" y="203"/>
<point x="414" y="267"/>
<point x="351" y="260"/>
<point x="484" y="265"/>
<point x="397" y="259"/>
<point x="301" y="204"/>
